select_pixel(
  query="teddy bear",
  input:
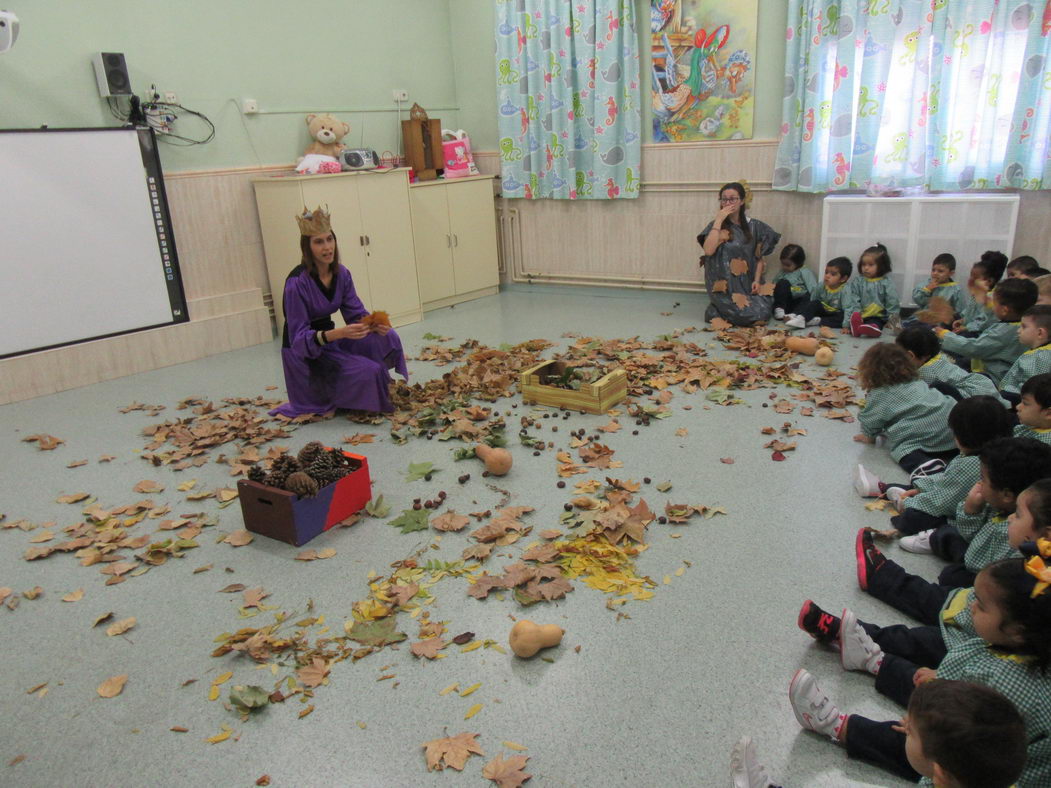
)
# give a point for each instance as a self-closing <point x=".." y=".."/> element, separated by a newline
<point x="326" y="133"/>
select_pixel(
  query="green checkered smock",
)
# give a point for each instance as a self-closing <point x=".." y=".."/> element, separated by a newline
<point x="1033" y="362"/>
<point x="970" y="658"/>
<point x="987" y="534"/>
<point x="831" y="300"/>
<point x="872" y="297"/>
<point x="970" y="384"/>
<point x="801" y="281"/>
<point x="993" y="351"/>
<point x="1025" y="431"/>
<point x="950" y="291"/>
<point x="975" y="315"/>
<point x="912" y="415"/>
<point x="941" y="493"/>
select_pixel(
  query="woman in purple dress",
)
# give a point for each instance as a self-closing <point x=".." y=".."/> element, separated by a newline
<point x="328" y="367"/>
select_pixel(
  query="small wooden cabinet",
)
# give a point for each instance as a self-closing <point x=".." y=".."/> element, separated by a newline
<point x="454" y="226"/>
<point x="371" y="220"/>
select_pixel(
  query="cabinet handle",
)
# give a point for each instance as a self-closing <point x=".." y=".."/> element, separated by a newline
<point x="456" y="240"/>
<point x="448" y="241"/>
<point x="368" y="241"/>
<point x="361" y="240"/>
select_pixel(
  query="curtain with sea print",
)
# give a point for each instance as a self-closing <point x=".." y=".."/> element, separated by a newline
<point x="568" y="99"/>
<point x="939" y="95"/>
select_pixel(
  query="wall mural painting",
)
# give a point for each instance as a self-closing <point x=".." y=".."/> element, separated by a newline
<point x="703" y="69"/>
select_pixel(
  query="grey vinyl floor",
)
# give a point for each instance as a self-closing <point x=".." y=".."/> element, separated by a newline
<point x="656" y="697"/>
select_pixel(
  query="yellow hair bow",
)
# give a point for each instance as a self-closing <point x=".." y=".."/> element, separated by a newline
<point x="1041" y="571"/>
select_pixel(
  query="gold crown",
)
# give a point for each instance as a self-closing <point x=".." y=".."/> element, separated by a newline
<point x="316" y="222"/>
<point x="747" y="193"/>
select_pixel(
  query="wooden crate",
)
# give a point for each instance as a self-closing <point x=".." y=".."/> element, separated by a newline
<point x="597" y="397"/>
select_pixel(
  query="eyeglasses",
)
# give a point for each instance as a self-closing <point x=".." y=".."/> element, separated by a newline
<point x="729" y="200"/>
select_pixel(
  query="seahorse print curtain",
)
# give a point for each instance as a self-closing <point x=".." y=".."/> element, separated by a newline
<point x="568" y="99"/>
<point x="940" y="95"/>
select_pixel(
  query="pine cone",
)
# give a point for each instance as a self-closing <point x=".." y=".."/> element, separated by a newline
<point x="256" y="474"/>
<point x="281" y="469"/>
<point x="309" y="453"/>
<point x="324" y="470"/>
<point x="301" y="484"/>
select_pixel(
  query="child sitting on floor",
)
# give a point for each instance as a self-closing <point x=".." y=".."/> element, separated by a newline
<point x="794" y="284"/>
<point x="951" y="728"/>
<point x="976" y="309"/>
<point x="1034" y="409"/>
<point x="825" y="308"/>
<point x="1022" y="266"/>
<point x="931" y="501"/>
<point x="995" y="349"/>
<point x="983" y="531"/>
<point x="997" y="634"/>
<point x="938" y="372"/>
<point x="940" y="284"/>
<point x="871" y="299"/>
<point x="1043" y="286"/>
<point x="1034" y="332"/>
<point x="913" y="416"/>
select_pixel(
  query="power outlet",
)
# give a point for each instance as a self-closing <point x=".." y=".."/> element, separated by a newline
<point x="171" y="98"/>
<point x="401" y="95"/>
<point x="249" y="106"/>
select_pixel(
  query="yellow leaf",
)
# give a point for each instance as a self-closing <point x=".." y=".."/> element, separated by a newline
<point x="362" y="725"/>
<point x="185" y="486"/>
<point x="667" y="580"/>
<point x="222" y="678"/>
<point x="471" y="646"/>
<point x="213" y="693"/>
<point x="305" y="712"/>
<point x="469" y="690"/>
<point x="449" y="689"/>
<point x="512" y="746"/>
<point x="120" y="627"/>
<point x="219" y="736"/>
<point x="679" y="571"/>
<point x="472" y="711"/>
<point x="113" y="686"/>
<point x="74" y="596"/>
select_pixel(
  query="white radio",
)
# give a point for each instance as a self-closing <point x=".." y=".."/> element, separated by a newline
<point x="359" y="159"/>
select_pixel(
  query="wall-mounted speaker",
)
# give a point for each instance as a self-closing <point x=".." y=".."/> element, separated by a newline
<point x="111" y="72"/>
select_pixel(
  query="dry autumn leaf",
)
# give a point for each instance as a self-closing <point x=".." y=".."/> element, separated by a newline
<point x="120" y="627"/>
<point x="428" y="648"/>
<point x="452" y="751"/>
<point x="719" y="286"/>
<point x="148" y="486"/>
<point x="738" y="266"/>
<point x="253" y="596"/>
<point x="313" y="674"/>
<point x="507" y="773"/>
<point x="44" y="442"/>
<point x="450" y="521"/>
<point x="72" y="497"/>
<point x="238" y="538"/>
<point x="113" y="686"/>
<point x="359" y="438"/>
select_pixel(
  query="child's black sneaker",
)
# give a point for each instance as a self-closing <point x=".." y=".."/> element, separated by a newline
<point x="822" y="626"/>
<point x="869" y="557"/>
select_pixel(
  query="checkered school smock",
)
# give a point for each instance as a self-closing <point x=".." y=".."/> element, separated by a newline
<point x="986" y="533"/>
<point x="970" y="384"/>
<point x="975" y="315"/>
<point x="1033" y="362"/>
<point x="831" y="299"/>
<point x="943" y="492"/>
<point x="872" y="297"/>
<point x="1025" y="431"/>
<point x="912" y="415"/>
<point x="993" y="351"/>
<point x="801" y="281"/>
<point x="970" y="658"/>
<point x="950" y="291"/>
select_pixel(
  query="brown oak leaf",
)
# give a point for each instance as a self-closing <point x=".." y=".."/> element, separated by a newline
<point x="313" y="674"/>
<point x="428" y="648"/>
<point x="507" y="773"/>
<point x="452" y="751"/>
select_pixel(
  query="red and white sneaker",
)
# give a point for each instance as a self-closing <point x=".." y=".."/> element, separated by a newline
<point x="857" y="651"/>
<point x="812" y="707"/>
<point x="868" y="330"/>
<point x="855" y="324"/>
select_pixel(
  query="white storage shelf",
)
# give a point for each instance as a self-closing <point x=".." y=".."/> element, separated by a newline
<point x="917" y="229"/>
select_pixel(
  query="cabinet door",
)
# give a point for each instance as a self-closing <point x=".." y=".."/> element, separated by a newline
<point x="472" y="216"/>
<point x="387" y="223"/>
<point x="340" y="196"/>
<point x="276" y="202"/>
<point x="433" y="238"/>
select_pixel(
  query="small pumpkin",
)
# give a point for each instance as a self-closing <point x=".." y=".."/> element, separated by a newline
<point x="497" y="461"/>
<point x="805" y="345"/>
<point x="528" y="638"/>
<point x="824" y="356"/>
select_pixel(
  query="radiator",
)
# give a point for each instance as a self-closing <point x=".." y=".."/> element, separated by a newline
<point x="916" y="229"/>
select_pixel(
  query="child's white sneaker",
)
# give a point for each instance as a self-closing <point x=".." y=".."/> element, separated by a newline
<point x="857" y="651"/>
<point x="866" y="483"/>
<point x="796" y="321"/>
<point x="813" y="708"/>
<point x="779" y="314"/>
<point x="918" y="543"/>
<point x="814" y="321"/>
<point x="745" y="771"/>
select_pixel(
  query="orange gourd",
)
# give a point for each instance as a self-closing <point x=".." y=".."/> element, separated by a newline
<point x="528" y="638"/>
<point x="497" y="461"/>
<point x="805" y="345"/>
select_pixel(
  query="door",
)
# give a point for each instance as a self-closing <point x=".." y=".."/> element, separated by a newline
<point x="387" y="223"/>
<point x="472" y="216"/>
<point x="433" y="238"/>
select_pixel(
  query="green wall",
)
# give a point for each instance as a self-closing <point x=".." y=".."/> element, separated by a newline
<point x="326" y="56"/>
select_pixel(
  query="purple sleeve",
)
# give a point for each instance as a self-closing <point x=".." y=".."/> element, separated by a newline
<point x="350" y="305"/>
<point x="301" y="337"/>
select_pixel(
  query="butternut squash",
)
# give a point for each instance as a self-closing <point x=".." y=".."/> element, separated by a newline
<point x="528" y="638"/>
<point x="497" y="461"/>
<point x="805" y="345"/>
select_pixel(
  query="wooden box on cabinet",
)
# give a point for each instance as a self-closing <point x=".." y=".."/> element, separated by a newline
<point x="371" y="220"/>
<point x="454" y="227"/>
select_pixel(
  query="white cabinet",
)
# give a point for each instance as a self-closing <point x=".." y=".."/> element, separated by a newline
<point x="917" y="229"/>
<point x="454" y="226"/>
<point x="371" y="220"/>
